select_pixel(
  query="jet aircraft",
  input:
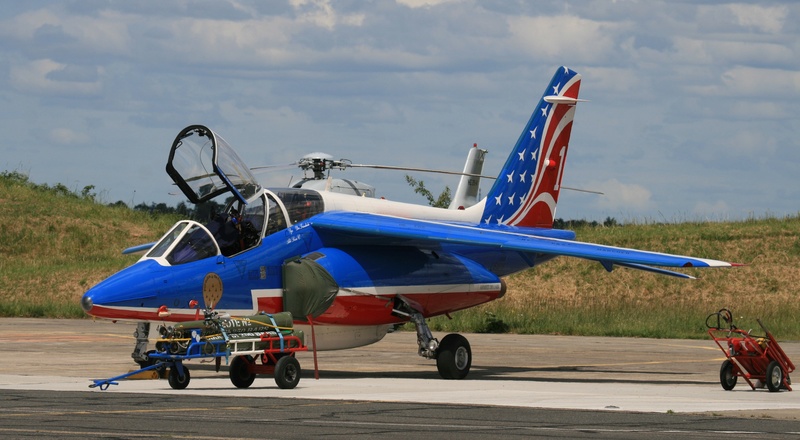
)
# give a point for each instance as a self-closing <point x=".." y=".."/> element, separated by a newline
<point x="350" y="267"/>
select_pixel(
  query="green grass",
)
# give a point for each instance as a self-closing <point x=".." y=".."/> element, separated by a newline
<point x="55" y="244"/>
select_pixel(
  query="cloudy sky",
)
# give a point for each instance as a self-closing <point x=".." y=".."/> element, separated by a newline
<point x="693" y="110"/>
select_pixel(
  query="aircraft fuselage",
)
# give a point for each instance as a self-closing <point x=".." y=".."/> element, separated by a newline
<point x="436" y="281"/>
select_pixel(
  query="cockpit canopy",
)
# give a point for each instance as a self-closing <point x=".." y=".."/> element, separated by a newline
<point x="204" y="166"/>
<point x="239" y="228"/>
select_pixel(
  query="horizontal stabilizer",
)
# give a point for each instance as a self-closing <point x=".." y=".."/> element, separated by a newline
<point x="553" y="99"/>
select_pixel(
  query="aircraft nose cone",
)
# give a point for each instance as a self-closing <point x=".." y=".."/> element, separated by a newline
<point x="136" y="286"/>
<point x="87" y="303"/>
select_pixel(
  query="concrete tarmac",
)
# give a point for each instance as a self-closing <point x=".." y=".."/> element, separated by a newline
<point x="533" y="371"/>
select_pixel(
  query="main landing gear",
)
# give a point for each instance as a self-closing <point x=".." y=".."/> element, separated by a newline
<point x="453" y="354"/>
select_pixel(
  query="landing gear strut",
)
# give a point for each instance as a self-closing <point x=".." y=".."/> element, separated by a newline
<point x="140" y="354"/>
<point x="453" y="355"/>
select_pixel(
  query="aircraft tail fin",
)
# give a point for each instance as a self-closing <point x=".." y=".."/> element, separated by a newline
<point x="526" y="191"/>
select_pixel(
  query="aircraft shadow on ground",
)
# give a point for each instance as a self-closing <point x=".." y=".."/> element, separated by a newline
<point x="522" y="375"/>
<point x="572" y="374"/>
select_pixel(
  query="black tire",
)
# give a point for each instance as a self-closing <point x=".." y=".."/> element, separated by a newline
<point x="287" y="372"/>
<point x="774" y="376"/>
<point x="239" y="371"/>
<point x="726" y="376"/>
<point x="176" y="381"/>
<point x="454" y="357"/>
<point x="146" y="360"/>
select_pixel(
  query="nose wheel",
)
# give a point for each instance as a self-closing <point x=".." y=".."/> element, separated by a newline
<point x="140" y="353"/>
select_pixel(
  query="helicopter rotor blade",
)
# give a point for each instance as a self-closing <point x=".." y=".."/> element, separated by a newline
<point x="583" y="190"/>
<point x="454" y="173"/>
<point x="268" y="167"/>
<point x="345" y="163"/>
<point x="423" y="170"/>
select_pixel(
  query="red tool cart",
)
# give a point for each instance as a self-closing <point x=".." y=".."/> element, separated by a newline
<point x="757" y="359"/>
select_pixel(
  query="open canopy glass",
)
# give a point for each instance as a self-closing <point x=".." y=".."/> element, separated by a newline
<point x="204" y="166"/>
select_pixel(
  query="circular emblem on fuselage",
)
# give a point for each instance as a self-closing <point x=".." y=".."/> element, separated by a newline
<point x="212" y="289"/>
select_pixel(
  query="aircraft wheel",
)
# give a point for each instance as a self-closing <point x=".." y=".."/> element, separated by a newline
<point x="176" y="381"/>
<point x="774" y="376"/>
<point x="287" y="372"/>
<point x="726" y="376"/>
<point x="146" y="360"/>
<point x="240" y="372"/>
<point x="454" y="357"/>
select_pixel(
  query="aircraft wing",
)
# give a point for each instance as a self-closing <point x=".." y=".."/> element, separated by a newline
<point x="337" y="228"/>
<point x="138" y="248"/>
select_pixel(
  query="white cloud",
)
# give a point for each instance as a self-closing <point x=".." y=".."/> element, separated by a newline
<point x="321" y="13"/>
<point x="760" y="109"/>
<point x="724" y="52"/>
<point x="425" y="3"/>
<point x="564" y="37"/>
<point x="266" y="42"/>
<point x="751" y="144"/>
<point x="769" y="19"/>
<point x="714" y="211"/>
<point x="765" y="84"/>
<point x="621" y="196"/>
<point x="38" y="77"/>
<point x="679" y="92"/>
<point x="25" y="25"/>
<point x="104" y="32"/>
<point x="736" y="18"/>
<point x="67" y="136"/>
<point x="615" y="80"/>
<point x="690" y="50"/>
<point x="743" y="80"/>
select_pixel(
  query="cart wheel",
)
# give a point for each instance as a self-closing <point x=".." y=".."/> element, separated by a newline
<point x="454" y="357"/>
<point x="240" y="373"/>
<point x="287" y="372"/>
<point x="774" y="376"/>
<point x="726" y="376"/>
<point x="176" y="381"/>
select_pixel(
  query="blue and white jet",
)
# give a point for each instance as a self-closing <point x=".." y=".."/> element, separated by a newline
<point x="353" y="266"/>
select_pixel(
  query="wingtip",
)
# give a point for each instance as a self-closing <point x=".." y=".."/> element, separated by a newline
<point x="712" y="263"/>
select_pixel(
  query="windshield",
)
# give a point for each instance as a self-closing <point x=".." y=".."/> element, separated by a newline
<point x="204" y="166"/>
<point x="187" y="241"/>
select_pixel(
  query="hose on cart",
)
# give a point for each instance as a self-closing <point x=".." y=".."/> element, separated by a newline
<point x="720" y="315"/>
